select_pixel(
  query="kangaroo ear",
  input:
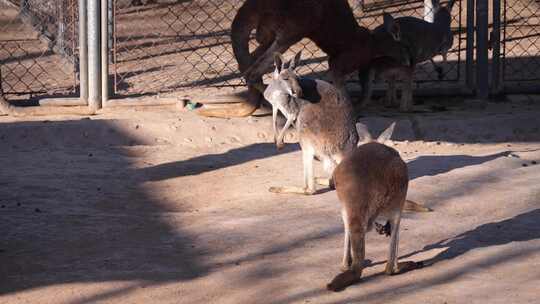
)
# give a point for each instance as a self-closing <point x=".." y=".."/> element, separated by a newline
<point x="391" y="26"/>
<point x="278" y="61"/>
<point x="436" y="5"/>
<point x="363" y="133"/>
<point x="386" y="134"/>
<point x="296" y="60"/>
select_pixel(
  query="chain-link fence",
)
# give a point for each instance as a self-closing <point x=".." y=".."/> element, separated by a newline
<point x="521" y="40"/>
<point x="38" y="46"/>
<point x="163" y="46"/>
<point x="172" y="45"/>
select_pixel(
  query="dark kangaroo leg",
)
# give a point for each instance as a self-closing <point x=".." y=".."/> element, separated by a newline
<point x="254" y="95"/>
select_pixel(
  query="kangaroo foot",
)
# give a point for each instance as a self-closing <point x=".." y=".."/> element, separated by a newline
<point x="343" y="280"/>
<point x="323" y="181"/>
<point x="404" y="267"/>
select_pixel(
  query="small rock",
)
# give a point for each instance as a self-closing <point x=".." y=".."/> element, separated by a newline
<point x="137" y="127"/>
<point x="18" y="204"/>
<point x="37" y="210"/>
<point x="3" y="206"/>
<point x="213" y="128"/>
<point x="234" y="139"/>
<point x="188" y="140"/>
<point x="208" y="139"/>
<point x="90" y="154"/>
<point x="98" y="189"/>
<point x="534" y="162"/>
<point x="438" y="143"/>
<point x="524" y="165"/>
<point x="261" y="135"/>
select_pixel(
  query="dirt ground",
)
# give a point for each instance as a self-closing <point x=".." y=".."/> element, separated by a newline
<point x="155" y="205"/>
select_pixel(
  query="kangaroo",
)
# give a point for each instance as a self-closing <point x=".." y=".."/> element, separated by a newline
<point x="324" y="123"/>
<point x="424" y="40"/>
<point x="421" y="40"/>
<point x="370" y="182"/>
<point x="279" y="24"/>
<point x="389" y="70"/>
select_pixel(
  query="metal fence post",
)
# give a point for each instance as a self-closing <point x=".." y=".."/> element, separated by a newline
<point x="496" y="43"/>
<point x="428" y="11"/>
<point x="469" y="57"/>
<point x="94" y="59"/>
<point x="104" y="51"/>
<point x="482" y="72"/>
<point x="83" y="52"/>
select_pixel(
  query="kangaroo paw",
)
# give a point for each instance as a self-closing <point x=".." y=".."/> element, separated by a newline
<point x="385" y="229"/>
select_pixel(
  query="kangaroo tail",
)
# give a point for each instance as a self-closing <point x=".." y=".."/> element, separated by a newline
<point x="244" y="22"/>
<point x="415" y="207"/>
<point x="9" y="109"/>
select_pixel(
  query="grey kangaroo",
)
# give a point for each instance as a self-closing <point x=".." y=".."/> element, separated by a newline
<point x="279" y="24"/>
<point x="421" y="41"/>
<point x="323" y="119"/>
<point x="371" y="182"/>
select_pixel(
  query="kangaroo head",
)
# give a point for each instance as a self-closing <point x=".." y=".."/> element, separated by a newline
<point x="443" y="14"/>
<point x="391" y="26"/>
<point x="283" y="92"/>
<point x="365" y="137"/>
<point x="284" y="79"/>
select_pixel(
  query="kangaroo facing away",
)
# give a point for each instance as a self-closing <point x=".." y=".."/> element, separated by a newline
<point x="279" y="24"/>
<point x="371" y="182"/>
<point x="421" y="41"/>
<point x="323" y="119"/>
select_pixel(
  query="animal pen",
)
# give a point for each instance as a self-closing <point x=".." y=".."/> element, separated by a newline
<point x="80" y="52"/>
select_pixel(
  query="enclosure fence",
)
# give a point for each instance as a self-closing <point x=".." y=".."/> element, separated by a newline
<point x="155" y="46"/>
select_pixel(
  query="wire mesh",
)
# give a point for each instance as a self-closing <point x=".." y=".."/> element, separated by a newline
<point x="521" y="40"/>
<point x="38" y="46"/>
<point x="166" y="46"/>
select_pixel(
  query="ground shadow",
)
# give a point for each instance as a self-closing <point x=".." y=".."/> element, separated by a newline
<point x="72" y="210"/>
<point x="210" y="162"/>
<point x="520" y="228"/>
<point x="431" y="165"/>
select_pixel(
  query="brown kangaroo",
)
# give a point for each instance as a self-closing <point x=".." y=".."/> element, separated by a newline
<point x="421" y="41"/>
<point x="324" y="123"/>
<point x="279" y="24"/>
<point x="371" y="182"/>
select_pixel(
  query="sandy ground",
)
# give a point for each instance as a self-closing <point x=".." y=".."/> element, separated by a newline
<point x="161" y="206"/>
